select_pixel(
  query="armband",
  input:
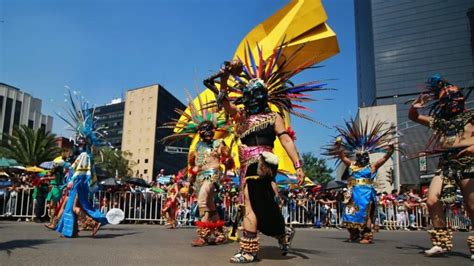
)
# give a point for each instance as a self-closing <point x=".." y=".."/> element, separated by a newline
<point x="298" y="164"/>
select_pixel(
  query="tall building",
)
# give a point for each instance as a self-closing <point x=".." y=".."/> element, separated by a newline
<point x="20" y="108"/>
<point x="110" y="117"/>
<point x="146" y="109"/>
<point x="399" y="45"/>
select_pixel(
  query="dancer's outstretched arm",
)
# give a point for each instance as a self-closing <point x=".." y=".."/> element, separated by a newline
<point x="413" y="112"/>
<point x="342" y="155"/>
<point x="235" y="68"/>
<point x="380" y="162"/>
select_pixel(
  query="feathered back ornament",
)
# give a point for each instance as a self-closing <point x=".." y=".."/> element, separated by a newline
<point x="188" y="124"/>
<point x="81" y="120"/>
<point x="445" y="98"/>
<point x="358" y="137"/>
<point x="272" y="72"/>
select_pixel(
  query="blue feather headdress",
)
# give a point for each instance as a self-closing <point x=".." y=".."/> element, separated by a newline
<point x="81" y="120"/>
<point x="358" y="137"/>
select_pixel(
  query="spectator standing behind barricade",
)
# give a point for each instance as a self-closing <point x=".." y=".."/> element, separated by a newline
<point x="39" y="197"/>
<point x="412" y="205"/>
<point x="104" y="208"/>
<point x="311" y="209"/>
<point x="160" y="174"/>
<point x="12" y="199"/>
<point x="325" y="203"/>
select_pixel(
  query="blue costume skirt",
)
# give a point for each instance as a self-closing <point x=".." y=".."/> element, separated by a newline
<point x="360" y="207"/>
<point x="67" y="226"/>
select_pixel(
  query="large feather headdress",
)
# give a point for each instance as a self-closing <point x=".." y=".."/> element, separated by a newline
<point x="81" y="120"/>
<point x="188" y="127"/>
<point x="273" y="72"/>
<point x="357" y="137"/>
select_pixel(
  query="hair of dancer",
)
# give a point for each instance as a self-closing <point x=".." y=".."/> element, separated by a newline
<point x="257" y="84"/>
<point x="204" y="163"/>
<point x="353" y="146"/>
<point x="81" y="120"/>
<point x="453" y="141"/>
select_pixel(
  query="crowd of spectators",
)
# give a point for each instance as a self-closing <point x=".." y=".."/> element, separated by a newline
<point x="304" y="206"/>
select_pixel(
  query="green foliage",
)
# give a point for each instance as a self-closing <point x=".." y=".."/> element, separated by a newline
<point x="113" y="162"/>
<point x="315" y="168"/>
<point x="29" y="147"/>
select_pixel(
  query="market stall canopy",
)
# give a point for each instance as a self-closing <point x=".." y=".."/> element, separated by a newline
<point x="5" y="162"/>
<point x="34" y="169"/>
<point x="138" y="182"/>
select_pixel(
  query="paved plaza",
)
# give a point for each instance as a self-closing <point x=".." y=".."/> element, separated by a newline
<point x="25" y="243"/>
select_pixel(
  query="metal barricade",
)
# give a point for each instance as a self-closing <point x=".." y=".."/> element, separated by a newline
<point x="148" y="206"/>
<point x="20" y="204"/>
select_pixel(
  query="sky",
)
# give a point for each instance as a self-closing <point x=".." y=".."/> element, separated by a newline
<point x="102" y="48"/>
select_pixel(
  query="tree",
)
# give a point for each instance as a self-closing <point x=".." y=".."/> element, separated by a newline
<point x="315" y="168"/>
<point x="29" y="147"/>
<point x="113" y="162"/>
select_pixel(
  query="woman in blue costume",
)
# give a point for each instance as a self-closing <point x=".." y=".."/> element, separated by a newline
<point x="83" y="122"/>
<point x="360" y="200"/>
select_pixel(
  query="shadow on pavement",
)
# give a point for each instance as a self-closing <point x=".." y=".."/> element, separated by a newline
<point x="272" y="253"/>
<point x="105" y="236"/>
<point x="11" y="245"/>
<point x="115" y="229"/>
<point x="445" y="255"/>
<point x="344" y="239"/>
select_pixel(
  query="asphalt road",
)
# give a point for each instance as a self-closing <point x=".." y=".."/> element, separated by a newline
<point x="23" y="243"/>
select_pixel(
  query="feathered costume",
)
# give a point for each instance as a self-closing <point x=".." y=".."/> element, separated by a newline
<point x="359" y="140"/>
<point x="82" y="122"/>
<point x="261" y="85"/>
<point x="448" y="118"/>
<point x="281" y="92"/>
<point x="203" y="123"/>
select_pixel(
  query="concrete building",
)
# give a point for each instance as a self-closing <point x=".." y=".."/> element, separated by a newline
<point x="399" y="45"/>
<point x="110" y="117"/>
<point x="146" y="109"/>
<point x="20" y="108"/>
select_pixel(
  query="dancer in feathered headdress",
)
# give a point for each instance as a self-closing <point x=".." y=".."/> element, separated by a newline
<point x="258" y="84"/>
<point x="453" y="140"/>
<point x="353" y="147"/>
<point x="204" y="164"/>
<point x="82" y="122"/>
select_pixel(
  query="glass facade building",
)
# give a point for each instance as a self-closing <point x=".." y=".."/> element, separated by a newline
<point x="110" y="117"/>
<point x="399" y="45"/>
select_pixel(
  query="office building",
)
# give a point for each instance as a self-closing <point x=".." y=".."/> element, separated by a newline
<point x="20" y="108"/>
<point x="399" y="45"/>
<point x="146" y="109"/>
<point x="110" y="117"/>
